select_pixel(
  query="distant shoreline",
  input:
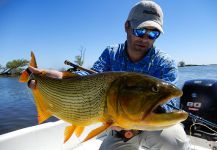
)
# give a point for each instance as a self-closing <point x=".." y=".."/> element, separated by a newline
<point x="189" y="65"/>
<point x="192" y="65"/>
<point x="9" y="75"/>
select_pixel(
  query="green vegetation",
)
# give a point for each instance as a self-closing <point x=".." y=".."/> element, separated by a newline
<point x="181" y="64"/>
<point x="79" y="59"/>
<point x="13" y="67"/>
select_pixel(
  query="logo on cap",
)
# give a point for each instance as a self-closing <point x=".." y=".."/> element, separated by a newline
<point x="150" y="12"/>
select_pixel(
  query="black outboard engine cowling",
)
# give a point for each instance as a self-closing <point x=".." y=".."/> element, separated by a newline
<point x="200" y="99"/>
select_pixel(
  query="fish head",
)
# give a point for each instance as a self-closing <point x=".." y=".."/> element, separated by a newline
<point x="135" y="97"/>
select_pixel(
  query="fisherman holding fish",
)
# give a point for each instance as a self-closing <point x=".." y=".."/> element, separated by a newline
<point x="138" y="54"/>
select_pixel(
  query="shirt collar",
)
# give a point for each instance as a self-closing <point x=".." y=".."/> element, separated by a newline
<point x="146" y="58"/>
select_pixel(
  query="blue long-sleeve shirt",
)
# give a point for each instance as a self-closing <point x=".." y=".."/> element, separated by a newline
<point x="156" y="63"/>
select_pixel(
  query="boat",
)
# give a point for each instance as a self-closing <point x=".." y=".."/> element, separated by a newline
<point x="199" y="98"/>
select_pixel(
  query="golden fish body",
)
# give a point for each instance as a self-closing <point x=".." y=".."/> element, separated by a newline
<point x="124" y="99"/>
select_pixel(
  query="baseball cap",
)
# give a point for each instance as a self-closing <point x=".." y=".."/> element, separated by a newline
<point x="146" y="13"/>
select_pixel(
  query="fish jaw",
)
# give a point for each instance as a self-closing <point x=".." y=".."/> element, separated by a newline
<point x="160" y="121"/>
<point x="153" y="121"/>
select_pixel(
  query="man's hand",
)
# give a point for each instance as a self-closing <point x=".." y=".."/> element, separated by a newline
<point x="117" y="128"/>
<point x="49" y="73"/>
<point x="32" y="83"/>
<point x="35" y="70"/>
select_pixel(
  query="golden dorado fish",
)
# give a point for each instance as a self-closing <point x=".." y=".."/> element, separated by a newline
<point x="124" y="99"/>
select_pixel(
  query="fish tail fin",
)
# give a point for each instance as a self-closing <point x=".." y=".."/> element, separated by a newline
<point x="43" y="113"/>
<point x="33" y="60"/>
<point x="24" y="77"/>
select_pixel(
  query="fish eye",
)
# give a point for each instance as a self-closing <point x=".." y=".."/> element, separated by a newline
<point x="155" y="89"/>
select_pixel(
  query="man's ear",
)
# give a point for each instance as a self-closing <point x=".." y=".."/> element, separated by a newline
<point x="127" y="26"/>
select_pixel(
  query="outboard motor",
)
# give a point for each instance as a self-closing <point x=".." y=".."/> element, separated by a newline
<point x="200" y="101"/>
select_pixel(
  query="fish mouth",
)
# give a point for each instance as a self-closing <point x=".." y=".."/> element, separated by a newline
<point x="159" y="117"/>
<point x="157" y="107"/>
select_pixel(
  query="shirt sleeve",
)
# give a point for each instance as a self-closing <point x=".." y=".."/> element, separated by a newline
<point x="170" y="72"/>
<point x="103" y="63"/>
<point x="82" y="73"/>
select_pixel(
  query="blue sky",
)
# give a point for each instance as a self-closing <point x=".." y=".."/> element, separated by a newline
<point x="57" y="29"/>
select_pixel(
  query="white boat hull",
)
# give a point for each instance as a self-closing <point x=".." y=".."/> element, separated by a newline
<point x="50" y="136"/>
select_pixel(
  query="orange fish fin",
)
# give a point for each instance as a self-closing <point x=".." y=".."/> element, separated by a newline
<point x="67" y="74"/>
<point x="68" y="132"/>
<point x="24" y="77"/>
<point x="79" y="130"/>
<point x="43" y="114"/>
<point x="97" y="131"/>
<point x="33" y="60"/>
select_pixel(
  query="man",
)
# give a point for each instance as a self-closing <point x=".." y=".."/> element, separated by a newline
<point x="138" y="54"/>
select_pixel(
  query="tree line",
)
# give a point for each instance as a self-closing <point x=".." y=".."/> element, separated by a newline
<point x="16" y="66"/>
<point x="13" y="67"/>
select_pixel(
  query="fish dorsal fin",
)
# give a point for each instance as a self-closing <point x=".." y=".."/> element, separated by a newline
<point x="68" y="132"/>
<point x="67" y="75"/>
<point x="97" y="131"/>
<point x="43" y="113"/>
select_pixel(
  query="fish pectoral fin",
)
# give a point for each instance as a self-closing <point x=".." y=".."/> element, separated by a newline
<point x="24" y="77"/>
<point x="79" y="130"/>
<point x="97" y="131"/>
<point x="43" y="114"/>
<point x="68" y="132"/>
<point x="67" y="75"/>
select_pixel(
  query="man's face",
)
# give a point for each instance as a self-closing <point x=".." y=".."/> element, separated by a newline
<point x="137" y="46"/>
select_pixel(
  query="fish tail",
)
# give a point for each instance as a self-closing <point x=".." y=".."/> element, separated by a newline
<point x="24" y="77"/>
<point x="43" y="113"/>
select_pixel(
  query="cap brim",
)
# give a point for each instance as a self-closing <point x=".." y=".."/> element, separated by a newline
<point x="147" y="24"/>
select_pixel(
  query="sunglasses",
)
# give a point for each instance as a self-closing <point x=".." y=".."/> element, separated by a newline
<point x="152" y="34"/>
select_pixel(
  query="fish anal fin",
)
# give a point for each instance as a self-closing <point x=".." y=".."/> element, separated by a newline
<point x="68" y="132"/>
<point x="79" y="130"/>
<point x="67" y="74"/>
<point x="43" y="113"/>
<point x="97" y="131"/>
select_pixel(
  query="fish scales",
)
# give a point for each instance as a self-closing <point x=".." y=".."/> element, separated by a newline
<point x="81" y="101"/>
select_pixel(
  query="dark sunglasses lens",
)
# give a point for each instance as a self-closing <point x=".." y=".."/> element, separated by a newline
<point x="153" y="34"/>
<point x="139" y="32"/>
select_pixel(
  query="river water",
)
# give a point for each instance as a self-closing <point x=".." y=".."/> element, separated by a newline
<point x="17" y="108"/>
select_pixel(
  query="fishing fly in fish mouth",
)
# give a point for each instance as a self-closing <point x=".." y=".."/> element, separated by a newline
<point x="124" y="99"/>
